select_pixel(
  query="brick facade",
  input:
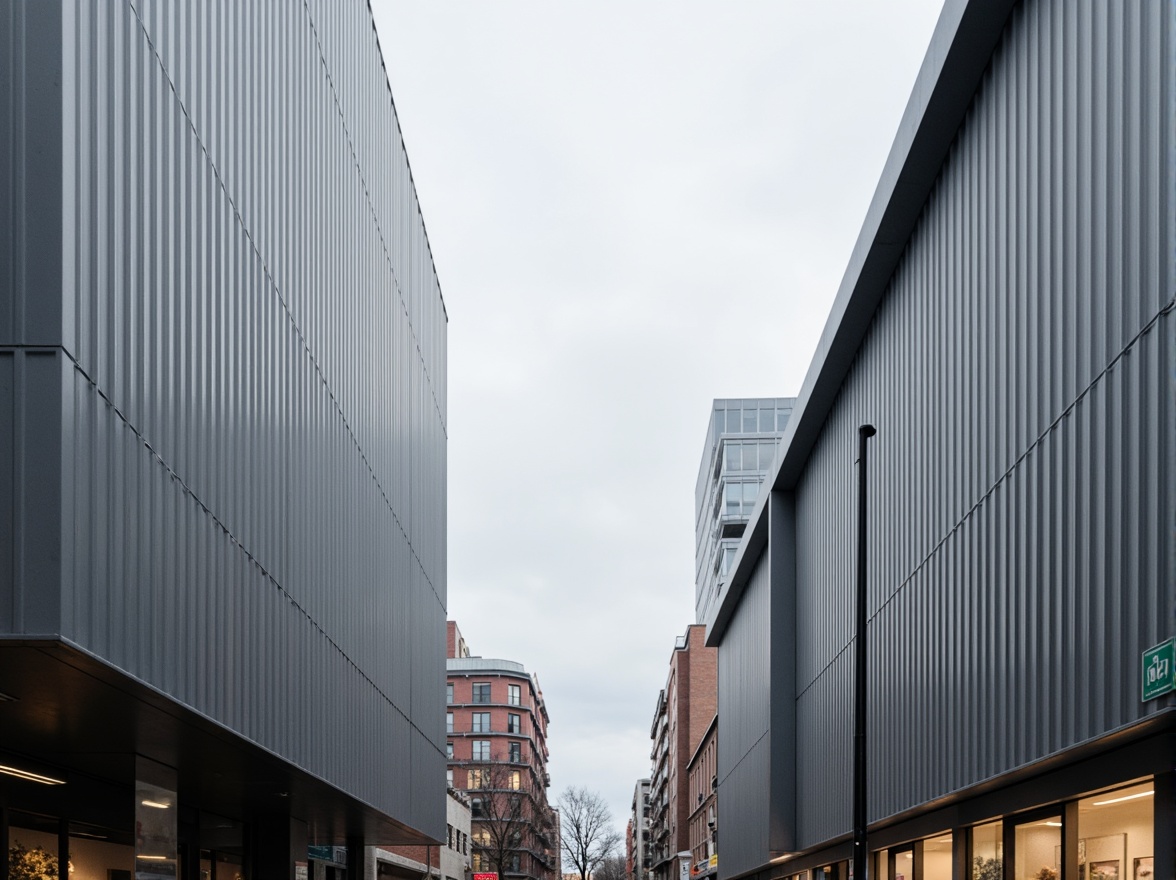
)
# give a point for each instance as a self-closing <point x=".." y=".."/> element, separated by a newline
<point x="496" y="739"/>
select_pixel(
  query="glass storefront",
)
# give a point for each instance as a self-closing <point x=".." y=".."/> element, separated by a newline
<point x="1116" y="834"/>
<point x="95" y="853"/>
<point x="1113" y="837"/>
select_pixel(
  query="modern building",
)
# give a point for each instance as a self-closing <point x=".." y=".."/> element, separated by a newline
<point x="222" y="445"/>
<point x="638" y="844"/>
<point x="741" y="441"/>
<point x="703" y="782"/>
<point x="1007" y="324"/>
<point x="496" y="727"/>
<point x="448" y="861"/>
<point x="685" y="707"/>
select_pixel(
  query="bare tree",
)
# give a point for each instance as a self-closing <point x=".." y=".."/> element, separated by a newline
<point x="500" y="811"/>
<point x="614" y="867"/>
<point x="587" y="836"/>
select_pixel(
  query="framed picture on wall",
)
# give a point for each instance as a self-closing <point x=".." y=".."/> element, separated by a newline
<point x="1143" y="869"/>
<point x="1105" y="870"/>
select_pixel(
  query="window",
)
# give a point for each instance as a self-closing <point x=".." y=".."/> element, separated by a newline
<point x="449" y="692"/>
<point x="482" y="692"/>
<point x="481" y="751"/>
<point x="449" y="836"/>
<point x="481" y="722"/>
<point x="449" y="778"/>
<point x="476" y="862"/>
<point x="476" y="811"/>
<point x="514" y="723"/>
<point x="514" y="695"/>
<point x="478" y="777"/>
<point x="449" y="722"/>
<point x="482" y="837"/>
<point x="449" y="750"/>
<point x="516" y="753"/>
<point x="515" y="781"/>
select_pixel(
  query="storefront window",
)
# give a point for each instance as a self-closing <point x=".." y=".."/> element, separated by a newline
<point x="937" y="858"/>
<point x="1115" y="834"/>
<point x="987" y="852"/>
<point x="1038" y="852"/>
<point x="881" y="865"/>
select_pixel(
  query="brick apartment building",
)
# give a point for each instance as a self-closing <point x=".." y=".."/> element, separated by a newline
<point x="703" y="784"/>
<point x="449" y="861"/>
<point x="496" y="742"/>
<point x="685" y="709"/>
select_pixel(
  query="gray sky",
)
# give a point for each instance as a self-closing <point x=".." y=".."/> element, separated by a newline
<point x="634" y="207"/>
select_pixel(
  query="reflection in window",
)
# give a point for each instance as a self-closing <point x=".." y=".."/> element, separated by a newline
<point x="480" y="722"/>
<point x="987" y="852"/>
<point x="514" y="695"/>
<point x="750" y="423"/>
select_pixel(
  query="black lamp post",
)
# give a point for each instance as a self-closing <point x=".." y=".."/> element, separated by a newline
<point x="860" y="851"/>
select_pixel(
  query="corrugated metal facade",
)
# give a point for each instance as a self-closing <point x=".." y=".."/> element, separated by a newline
<point x="1020" y="373"/>
<point x="745" y="709"/>
<point x="243" y="397"/>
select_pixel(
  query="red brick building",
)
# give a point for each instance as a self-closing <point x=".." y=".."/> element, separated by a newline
<point x="496" y="723"/>
<point x="685" y="709"/>
<point x="702" y="795"/>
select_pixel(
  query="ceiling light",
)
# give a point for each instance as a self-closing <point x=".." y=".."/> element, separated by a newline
<point x="159" y="805"/>
<point x="31" y="777"/>
<point x="1126" y="797"/>
<point x="152" y="858"/>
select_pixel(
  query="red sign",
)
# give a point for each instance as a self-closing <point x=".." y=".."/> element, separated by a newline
<point x="489" y="875"/>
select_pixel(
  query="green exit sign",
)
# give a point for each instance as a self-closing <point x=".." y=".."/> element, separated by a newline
<point x="1159" y="670"/>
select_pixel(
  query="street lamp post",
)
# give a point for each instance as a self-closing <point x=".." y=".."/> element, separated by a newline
<point x="860" y="818"/>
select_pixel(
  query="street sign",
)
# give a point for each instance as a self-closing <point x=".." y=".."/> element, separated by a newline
<point x="1159" y="670"/>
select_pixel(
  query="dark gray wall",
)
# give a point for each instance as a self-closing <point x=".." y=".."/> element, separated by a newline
<point x="248" y="357"/>
<point x="757" y="748"/>
<point x="1019" y="371"/>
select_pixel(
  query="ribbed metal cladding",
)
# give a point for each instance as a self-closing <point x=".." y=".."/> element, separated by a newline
<point x="745" y="691"/>
<point x="252" y="372"/>
<point x="1021" y="372"/>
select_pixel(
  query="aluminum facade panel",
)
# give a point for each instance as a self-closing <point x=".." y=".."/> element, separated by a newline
<point x="251" y="369"/>
<point x="1019" y="371"/>
<point x="745" y="694"/>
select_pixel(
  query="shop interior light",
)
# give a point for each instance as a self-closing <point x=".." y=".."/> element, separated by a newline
<point x="1126" y="797"/>
<point x="30" y="776"/>
<point x="152" y="858"/>
<point x="159" y="805"/>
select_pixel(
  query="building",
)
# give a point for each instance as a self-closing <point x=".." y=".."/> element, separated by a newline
<point x="1006" y="322"/>
<point x="638" y="843"/>
<point x="741" y="441"/>
<point x="684" y="709"/>
<point x="222" y="445"/>
<point x="703" y="782"/>
<point x="448" y="861"/>
<point x="497" y="753"/>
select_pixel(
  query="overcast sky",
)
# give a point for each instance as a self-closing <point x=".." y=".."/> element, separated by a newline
<point x="634" y="207"/>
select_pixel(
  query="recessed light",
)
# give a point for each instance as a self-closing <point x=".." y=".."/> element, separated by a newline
<point x="1126" y="797"/>
<point x="30" y="776"/>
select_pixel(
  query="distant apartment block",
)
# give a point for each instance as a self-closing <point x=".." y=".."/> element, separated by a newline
<point x="496" y="744"/>
<point x="685" y="709"/>
<point x="637" y="847"/>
